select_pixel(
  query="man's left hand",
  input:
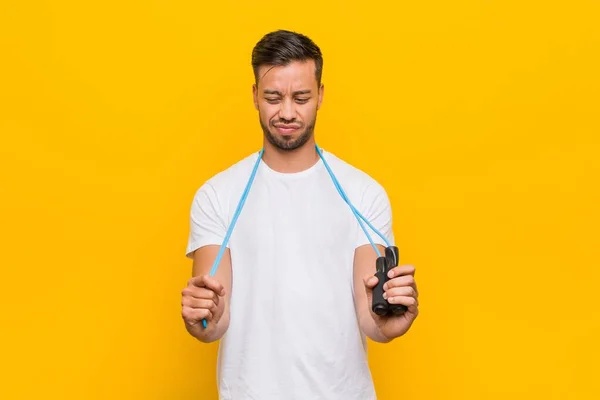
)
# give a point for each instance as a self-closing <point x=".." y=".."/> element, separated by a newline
<point x="400" y="289"/>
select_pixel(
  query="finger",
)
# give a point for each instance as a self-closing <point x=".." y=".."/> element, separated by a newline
<point x="200" y="293"/>
<point x="370" y="281"/>
<point x="404" y="280"/>
<point x="408" y="301"/>
<point x="193" y="316"/>
<point x="402" y="270"/>
<point x="199" y="303"/>
<point x="208" y="282"/>
<point x="405" y="291"/>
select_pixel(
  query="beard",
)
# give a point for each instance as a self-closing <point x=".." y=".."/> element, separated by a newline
<point x="287" y="143"/>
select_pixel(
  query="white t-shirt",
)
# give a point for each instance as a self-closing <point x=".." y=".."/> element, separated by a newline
<point x="293" y="332"/>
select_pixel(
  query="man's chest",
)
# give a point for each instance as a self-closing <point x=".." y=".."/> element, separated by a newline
<point x="297" y="218"/>
<point x="293" y="242"/>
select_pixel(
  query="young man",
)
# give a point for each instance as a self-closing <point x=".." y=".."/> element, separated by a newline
<point x="291" y="298"/>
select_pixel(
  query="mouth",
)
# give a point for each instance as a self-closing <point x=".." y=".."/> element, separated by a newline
<point x="286" y="129"/>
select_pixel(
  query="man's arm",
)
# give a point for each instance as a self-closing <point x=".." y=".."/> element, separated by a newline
<point x="400" y="289"/>
<point x="208" y="297"/>
<point x="376" y="208"/>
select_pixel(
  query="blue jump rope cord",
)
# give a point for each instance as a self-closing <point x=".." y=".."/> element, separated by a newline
<point x="356" y="213"/>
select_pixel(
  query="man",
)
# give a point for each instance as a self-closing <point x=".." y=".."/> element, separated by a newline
<point x="291" y="298"/>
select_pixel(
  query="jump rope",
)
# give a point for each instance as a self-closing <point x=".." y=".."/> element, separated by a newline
<point x="383" y="263"/>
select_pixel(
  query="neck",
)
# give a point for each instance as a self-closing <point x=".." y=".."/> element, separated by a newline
<point x="290" y="161"/>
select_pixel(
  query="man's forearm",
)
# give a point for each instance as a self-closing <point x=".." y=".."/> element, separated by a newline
<point x="371" y="330"/>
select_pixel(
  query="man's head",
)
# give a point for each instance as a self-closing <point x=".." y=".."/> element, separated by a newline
<point x="287" y="90"/>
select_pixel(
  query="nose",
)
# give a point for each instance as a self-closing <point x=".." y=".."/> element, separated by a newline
<point x="287" y="111"/>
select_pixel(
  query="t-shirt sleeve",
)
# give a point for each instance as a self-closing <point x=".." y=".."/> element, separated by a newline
<point x="375" y="207"/>
<point x="207" y="223"/>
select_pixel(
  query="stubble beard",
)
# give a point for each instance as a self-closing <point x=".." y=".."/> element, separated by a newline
<point x="288" y="144"/>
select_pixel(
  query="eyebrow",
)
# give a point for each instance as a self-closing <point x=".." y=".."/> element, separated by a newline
<point x="277" y="92"/>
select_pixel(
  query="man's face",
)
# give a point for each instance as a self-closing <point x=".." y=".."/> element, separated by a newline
<point x="287" y="99"/>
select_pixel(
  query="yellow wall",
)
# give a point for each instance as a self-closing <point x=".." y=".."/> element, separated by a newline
<point x="479" y="117"/>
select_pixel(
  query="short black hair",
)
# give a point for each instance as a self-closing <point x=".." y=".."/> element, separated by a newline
<point x="281" y="47"/>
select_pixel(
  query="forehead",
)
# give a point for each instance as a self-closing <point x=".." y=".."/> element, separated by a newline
<point x="295" y="75"/>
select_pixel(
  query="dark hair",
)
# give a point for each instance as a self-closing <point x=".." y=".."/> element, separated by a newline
<point x="281" y="47"/>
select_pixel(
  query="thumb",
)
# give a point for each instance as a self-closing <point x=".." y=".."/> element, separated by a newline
<point x="370" y="281"/>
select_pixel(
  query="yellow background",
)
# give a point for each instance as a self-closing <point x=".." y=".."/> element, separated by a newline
<point x="479" y="117"/>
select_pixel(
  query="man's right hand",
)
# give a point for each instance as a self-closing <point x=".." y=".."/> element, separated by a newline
<point x="203" y="298"/>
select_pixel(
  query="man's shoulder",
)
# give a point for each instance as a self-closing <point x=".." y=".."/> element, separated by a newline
<point x="231" y="177"/>
<point x="352" y="175"/>
<point x="237" y="171"/>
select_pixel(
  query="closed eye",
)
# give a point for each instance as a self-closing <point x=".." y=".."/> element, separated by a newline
<point x="275" y="100"/>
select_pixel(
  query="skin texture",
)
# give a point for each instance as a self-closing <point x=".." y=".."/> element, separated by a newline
<point x="287" y="99"/>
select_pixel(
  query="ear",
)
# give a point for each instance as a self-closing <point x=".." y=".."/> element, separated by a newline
<point x="321" y="93"/>
<point x="255" y="95"/>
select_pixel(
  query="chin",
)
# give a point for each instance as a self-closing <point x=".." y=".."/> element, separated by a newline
<point x="287" y="142"/>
